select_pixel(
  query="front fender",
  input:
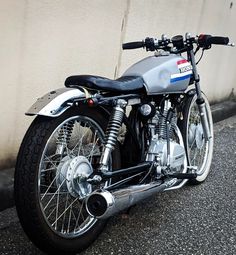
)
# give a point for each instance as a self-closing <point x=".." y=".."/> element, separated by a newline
<point x="53" y="103"/>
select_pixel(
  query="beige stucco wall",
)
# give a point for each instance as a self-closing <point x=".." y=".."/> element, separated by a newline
<point x="44" y="41"/>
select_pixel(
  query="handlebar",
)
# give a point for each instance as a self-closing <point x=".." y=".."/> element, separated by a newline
<point x="202" y="41"/>
<point x="133" y="45"/>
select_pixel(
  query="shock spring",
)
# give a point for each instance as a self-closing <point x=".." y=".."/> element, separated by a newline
<point x="64" y="136"/>
<point x="112" y="132"/>
<point x="113" y="127"/>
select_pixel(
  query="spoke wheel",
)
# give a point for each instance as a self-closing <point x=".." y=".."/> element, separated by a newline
<point x="55" y="158"/>
<point x="72" y="151"/>
<point x="199" y="150"/>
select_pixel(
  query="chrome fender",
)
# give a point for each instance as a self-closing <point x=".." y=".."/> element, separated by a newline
<point x="55" y="102"/>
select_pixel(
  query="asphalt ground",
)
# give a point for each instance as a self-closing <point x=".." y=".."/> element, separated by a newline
<point x="193" y="220"/>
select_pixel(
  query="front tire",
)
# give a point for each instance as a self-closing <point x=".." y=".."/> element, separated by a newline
<point x="49" y="197"/>
<point x="199" y="151"/>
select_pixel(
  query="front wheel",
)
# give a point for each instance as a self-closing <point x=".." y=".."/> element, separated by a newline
<point x="56" y="156"/>
<point x="199" y="151"/>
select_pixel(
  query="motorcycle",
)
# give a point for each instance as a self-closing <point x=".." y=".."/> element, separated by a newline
<point x="99" y="146"/>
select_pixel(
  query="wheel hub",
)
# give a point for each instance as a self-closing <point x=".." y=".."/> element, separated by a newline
<point x="72" y="174"/>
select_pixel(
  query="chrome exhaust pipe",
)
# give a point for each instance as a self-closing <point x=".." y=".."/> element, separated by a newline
<point x="102" y="204"/>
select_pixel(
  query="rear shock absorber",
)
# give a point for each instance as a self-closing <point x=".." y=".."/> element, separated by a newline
<point x="112" y="131"/>
<point x="64" y="136"/>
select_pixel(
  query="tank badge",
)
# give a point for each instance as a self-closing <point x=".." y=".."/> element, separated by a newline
<point x="184" y="66"/>
<point x="185" y="71"/>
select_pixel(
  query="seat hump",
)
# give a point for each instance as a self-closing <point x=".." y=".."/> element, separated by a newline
<point x="125" y="84"/>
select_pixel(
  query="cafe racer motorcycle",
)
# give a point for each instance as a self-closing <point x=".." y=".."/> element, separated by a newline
<point x="99" y="146"/>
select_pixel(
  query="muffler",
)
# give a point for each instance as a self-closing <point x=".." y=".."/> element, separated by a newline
<point x="102" y="204"/>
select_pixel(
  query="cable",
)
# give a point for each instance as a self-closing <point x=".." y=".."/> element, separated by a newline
<point x="200" y="57"/>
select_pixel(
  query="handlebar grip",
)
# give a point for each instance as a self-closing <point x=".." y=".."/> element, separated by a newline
<point x="133" y="45"/>
<point x="218" y="40"/>
<point x="206" y="41"/>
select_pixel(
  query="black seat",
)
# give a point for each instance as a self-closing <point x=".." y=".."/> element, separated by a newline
<point x="125" y="84"/>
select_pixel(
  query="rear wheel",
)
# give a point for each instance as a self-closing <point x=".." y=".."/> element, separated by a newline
<point x="56" y="156"/>
<point x="199" y="151"/>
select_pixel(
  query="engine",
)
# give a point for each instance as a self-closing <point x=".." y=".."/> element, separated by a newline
<point x="158" y="146"/>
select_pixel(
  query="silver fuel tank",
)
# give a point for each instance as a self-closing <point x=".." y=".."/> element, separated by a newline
<point x="162" y="74"/>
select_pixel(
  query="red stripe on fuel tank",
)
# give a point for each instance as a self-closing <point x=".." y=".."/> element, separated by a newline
<point x="182" y="61"/>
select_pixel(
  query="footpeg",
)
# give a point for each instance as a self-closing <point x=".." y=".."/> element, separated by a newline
<point x="183" y="175"/>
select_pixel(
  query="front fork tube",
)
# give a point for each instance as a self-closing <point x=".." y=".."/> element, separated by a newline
<point x="204" y="120"/>
<point x="200" y="100"/>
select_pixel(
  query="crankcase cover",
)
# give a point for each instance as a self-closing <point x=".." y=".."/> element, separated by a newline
<point x="163" y="74"/>
<point x="159" y="147"/>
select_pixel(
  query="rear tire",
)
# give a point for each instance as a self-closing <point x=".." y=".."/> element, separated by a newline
<point x="199" y="151"/>
<point x="41" y="173"/>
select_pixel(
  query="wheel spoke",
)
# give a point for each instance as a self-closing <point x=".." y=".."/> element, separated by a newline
<point x="191" y="146"/>
<point x="94" y="144"/>
<point x="67" y="208"/>
<point x="64" y="217"/>
<point x="79" y="143"/>
<point x="50" y="194"/>
<point x="68" y="226"/>
<point x="46" y="192"/>
<point x="53" y="195"/>
<point x="58" y="197"/>
<point x="81" y="208"/>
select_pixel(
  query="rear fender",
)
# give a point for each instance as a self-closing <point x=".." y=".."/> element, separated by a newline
<point x="55" y="102"/>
